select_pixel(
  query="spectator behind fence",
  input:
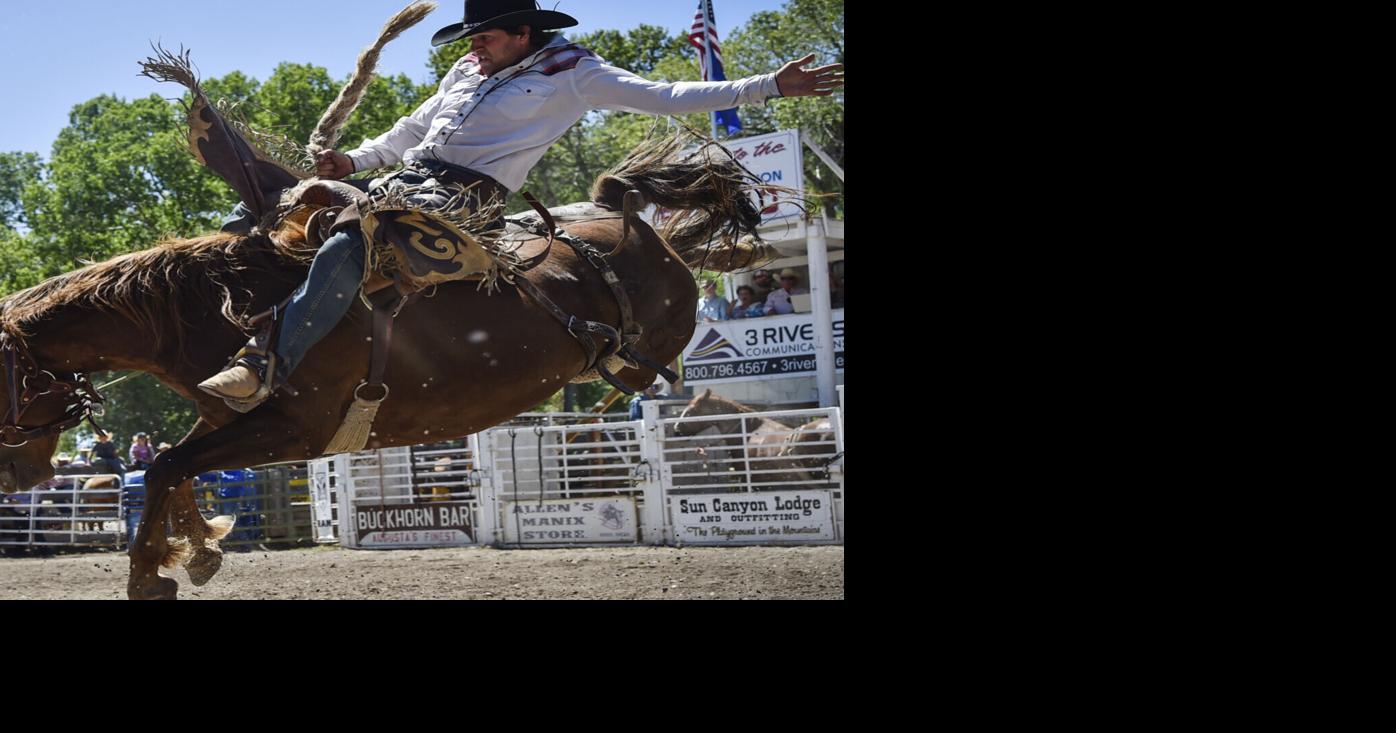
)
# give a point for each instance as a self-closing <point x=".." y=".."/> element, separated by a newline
<point x="83" y="462"/>
<point x="651" y="393"/>
<point x="835" y="291"/>
<point x="778" y="304"/>
<point x="711" y="307"/>
<point x="105" y="457"/>
<point x="142" y="453"/>
<point x="747" y="305"/>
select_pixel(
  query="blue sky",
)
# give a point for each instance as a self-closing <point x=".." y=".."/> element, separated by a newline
<point x="54" y="55"/>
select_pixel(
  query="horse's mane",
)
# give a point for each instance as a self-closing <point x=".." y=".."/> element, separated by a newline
<point x="154" y="288"/>
<point x="714" y="223"/>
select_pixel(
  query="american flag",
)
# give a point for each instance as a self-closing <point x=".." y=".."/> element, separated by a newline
<point x="704" y="31"/>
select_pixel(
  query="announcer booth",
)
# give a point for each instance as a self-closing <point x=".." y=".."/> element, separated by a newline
<point x="780" y="361"/>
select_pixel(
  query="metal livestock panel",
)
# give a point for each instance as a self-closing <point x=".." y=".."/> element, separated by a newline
<point x="64" y="512"/>
<point x="790" y="452"/>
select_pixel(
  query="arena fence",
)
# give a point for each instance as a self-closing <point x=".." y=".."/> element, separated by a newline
<point x="753" y="478"/>
<point x="547" y="480"/>
<point x="69" y="511"/>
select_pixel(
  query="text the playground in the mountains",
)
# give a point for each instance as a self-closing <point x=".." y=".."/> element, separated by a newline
<point x="764" y="518"/>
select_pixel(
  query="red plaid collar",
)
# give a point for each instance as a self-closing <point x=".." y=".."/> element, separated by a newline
<point x="562" y="58"/>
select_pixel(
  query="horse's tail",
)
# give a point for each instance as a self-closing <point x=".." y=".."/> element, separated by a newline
<point x="327" y="132"/>
<point x="714" y="222"/>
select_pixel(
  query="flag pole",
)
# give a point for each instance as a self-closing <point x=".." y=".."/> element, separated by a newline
<point x="711" y="72"/>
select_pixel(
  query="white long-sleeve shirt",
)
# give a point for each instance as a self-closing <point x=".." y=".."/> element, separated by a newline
<point x="502" y="125"/>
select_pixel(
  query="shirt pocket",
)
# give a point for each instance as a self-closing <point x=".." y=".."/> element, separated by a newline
<point x="523" y="99"/>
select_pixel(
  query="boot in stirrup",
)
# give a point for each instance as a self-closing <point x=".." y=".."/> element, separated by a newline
<point x="247" y="382"/>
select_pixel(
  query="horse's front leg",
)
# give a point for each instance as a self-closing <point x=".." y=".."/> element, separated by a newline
<point x="266" y="435"/>
<point x="188" y="522"/>
<point x="150" y="549"/>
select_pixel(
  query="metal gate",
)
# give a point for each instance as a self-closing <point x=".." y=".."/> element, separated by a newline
<point x="750" y="478"/>
<point x="66" y="511"/>
<point x="568" y="485"/>
<point x="788" y="464"/>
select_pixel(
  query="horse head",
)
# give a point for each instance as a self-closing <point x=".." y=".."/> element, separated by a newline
<point x="702" y="405"/>
<point x="25" y="404"/>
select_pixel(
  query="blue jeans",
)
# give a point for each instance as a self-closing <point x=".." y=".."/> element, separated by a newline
<point x="322" y="300"/>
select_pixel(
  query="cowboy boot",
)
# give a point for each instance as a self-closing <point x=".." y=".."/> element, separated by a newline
<point x="248" y="379"/>
<point x="245" y="384"/>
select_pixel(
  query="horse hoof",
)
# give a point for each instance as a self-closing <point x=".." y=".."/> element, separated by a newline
<point x="154" y="588"/>
<point x="206" y="563"/>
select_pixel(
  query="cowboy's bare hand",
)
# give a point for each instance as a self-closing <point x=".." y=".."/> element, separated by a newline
<point x="333" y="164"/>
<point x="797" y="82"/>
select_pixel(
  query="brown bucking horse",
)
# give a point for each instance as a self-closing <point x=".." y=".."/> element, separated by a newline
<point x="461" y="361"/>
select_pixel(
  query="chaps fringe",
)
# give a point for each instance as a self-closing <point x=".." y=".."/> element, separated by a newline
<point x="353" y="434"/>
<point x="327" y="132"/>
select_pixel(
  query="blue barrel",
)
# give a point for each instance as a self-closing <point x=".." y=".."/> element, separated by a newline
<point x="133" y="496"/>
<point x="237" y="493"/>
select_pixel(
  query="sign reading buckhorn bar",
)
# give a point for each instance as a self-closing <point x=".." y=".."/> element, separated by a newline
<point x="414" y="525"/>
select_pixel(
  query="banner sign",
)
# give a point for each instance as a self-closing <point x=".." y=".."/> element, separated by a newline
<point x="414" y="525"/>
<point x="570" y="520"/>
<point x="750" y="350"/>
<point x="779" y="160"/>
<point x="765" y="518"/>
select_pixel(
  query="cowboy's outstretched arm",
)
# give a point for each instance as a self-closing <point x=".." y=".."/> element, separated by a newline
<point x="819" y="82"/>
<point x="603" y="86"/>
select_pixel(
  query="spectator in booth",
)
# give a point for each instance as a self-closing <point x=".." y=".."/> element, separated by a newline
<point x="105" y="456"/>
<point x="142" y="453"/>
<point x="748" y="305"/>
<point x="711" y="307"/>
<point x="651" y="393"/>
<point x="764" y="284"/>
<point x="778" y="304"/>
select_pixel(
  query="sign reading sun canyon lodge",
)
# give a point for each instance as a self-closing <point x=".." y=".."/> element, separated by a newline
<point x="756" y="349"/>
<point x="754" y="519"/>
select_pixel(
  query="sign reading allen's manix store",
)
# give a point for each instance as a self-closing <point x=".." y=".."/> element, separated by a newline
<point x="756" y="349"/>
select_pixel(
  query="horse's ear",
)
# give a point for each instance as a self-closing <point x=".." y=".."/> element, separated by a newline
<point x="708" y="394"/>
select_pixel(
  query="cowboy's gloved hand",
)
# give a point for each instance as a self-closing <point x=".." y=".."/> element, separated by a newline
<point x="797" y="82"/>
<point x="333" y="164"/>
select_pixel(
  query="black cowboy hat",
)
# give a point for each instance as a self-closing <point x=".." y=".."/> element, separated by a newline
<point x="484" y="15"/>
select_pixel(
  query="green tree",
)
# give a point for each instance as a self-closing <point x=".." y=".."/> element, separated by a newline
<point x="120" y="179"/>
<point x="771" y="39"/>
<point x="142" y="404"/>
<point x="18" y="171"/>
<point x="20" y="268"/>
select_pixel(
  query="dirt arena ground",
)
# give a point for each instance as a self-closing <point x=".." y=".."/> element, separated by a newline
<point x="325" y="573"/>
